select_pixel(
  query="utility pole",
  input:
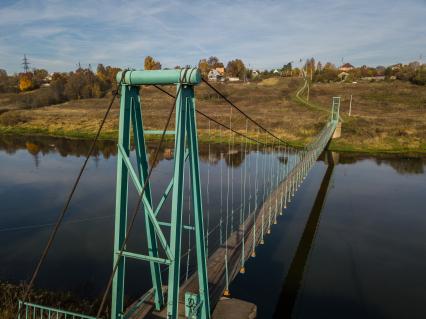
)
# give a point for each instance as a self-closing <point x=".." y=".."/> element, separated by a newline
<point x="350" y="106"/>
<point x="26" y="64"/>
<point x="307" y="97"/>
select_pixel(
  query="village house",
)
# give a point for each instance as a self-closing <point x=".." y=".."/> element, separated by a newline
<point x="346" y="67"/>
<point x="216" y="74"/>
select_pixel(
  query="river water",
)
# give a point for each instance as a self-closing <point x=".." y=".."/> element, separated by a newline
<point x="352" y="244"/>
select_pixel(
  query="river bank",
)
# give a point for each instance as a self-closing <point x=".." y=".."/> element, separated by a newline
<point x="10" y="294"/>
<point x="386" y="117"/>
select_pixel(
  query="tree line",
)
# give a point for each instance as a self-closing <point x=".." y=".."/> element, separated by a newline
<point x="413" y="72"/>
<point x="83" y="83"/>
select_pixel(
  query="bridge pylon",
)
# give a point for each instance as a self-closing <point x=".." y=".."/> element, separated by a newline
<point x="186" y="146"/>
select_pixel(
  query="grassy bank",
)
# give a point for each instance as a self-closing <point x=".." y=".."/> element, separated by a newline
<point x="386" y="117"/>
<point x="10" y="294"/>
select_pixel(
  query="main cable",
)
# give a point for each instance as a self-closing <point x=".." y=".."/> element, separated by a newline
<point x="213" y="120"/>
<point x="243" y="113"/>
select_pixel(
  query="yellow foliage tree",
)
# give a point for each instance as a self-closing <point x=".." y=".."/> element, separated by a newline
<point x="151" y="64"/>
<point x="26" y="82"/>
<point x="204" y="67"/>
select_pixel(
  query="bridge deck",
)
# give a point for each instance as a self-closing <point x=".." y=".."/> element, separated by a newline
<point x="216" y="264"/>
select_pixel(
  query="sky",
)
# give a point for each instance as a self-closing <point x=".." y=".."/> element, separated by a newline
<point x="57" y="35"/>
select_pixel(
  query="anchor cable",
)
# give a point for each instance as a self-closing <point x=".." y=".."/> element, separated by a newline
<point x="71" y="194"/>
<point x="135" y="213"/>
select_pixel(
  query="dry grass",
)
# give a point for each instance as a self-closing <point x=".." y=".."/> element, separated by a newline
<point x="10" y="294"/>
<point x="270" y="105"/>
<point x="387" y="117"/>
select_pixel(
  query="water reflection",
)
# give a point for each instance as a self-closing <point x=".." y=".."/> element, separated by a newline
<point x="368" y="249"/>
<point x="400" y="163"/>
<point x="41" y="145"/>
<point x="294" y="277"/>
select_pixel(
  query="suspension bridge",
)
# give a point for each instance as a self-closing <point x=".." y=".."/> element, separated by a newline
<point x="219" y="248"/>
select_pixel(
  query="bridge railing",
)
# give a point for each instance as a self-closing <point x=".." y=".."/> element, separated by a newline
<point x="34" y="311"/>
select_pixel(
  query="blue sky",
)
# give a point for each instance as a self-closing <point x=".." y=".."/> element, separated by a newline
<point x="56" y="35"/>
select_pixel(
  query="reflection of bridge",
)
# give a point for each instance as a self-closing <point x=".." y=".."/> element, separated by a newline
<point x="220" y="249"/>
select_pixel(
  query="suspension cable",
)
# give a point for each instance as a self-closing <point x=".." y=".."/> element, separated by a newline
<point x="243" y="113"/>
<point x="212" y="119"/>
<point x="135" y="213"/>
<point x="71" y="194"/>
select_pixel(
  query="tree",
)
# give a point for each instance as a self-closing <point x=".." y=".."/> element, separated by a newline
<point x="26" y="82"/>
<point x="151" y="64"/>
<point x="287" y="69"/>
<point x="328" y="73"/>
<point x="3" y="80"/>
<point x="236" y="68"/>
<point x="420" y="77"/>
<point x="57" y="86"/>
<point x="204" y="67"/>
<point x="310" y="67"/>
<point x="214" y="62"/>
<point x="74" y="86"/>
<point x="40" y="76"/>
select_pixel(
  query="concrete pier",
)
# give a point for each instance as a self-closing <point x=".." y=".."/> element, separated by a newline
<point x="230" y="308"/>
<point x="338" y="132"/>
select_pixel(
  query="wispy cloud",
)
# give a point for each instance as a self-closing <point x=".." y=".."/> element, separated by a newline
<point x="58" y="34"/>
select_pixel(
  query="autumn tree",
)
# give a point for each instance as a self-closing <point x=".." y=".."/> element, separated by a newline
<point x="310" y="67"/>
<point x="3" y="80"/>
<point x="204" y="67"/>
<point x="420" y="76"/>
<point x="106" y="76"/>
<point x="287" y="69"/>
<point x="26" y="82"/>
<point x="214" y="62"/>
<point x="40" y="76"/>
<point x="151" y="64"/>
<point x="57" y="86"/>
<point x="236" y="68"/>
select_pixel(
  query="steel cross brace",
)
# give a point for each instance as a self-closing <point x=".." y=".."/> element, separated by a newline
<point x="186" y="147"/>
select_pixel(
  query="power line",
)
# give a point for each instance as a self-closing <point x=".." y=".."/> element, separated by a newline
<point x="26" y="64"/>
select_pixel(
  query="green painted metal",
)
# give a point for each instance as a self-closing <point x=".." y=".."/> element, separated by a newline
<point x="170" y="225"/>
<point x="121" y="198"/>
<point x="33" y="311"/>
<point x="198" y="206"/>
<point x="147" y="258"/>
<point x="335" y="108"/>
<point x="185" y="134"/>
<point x="158" y="132"/>
<point x="160" y="77"/>
<point x="177" y="199"/>
<point x="148" y="208"/>
<point x="192" y="305"/>
<point x="141" y="157"/>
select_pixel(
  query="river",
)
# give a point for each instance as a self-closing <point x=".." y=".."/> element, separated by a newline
<point x="352" y="244"/>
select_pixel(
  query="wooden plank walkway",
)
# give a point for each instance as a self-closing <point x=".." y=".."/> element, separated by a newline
<point x="216" y="262"/>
